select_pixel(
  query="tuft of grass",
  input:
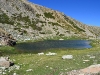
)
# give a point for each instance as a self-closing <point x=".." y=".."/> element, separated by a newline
<point x="7" y="50"/>
<point x="49" y="15"/>
<point x="38" y="15"/>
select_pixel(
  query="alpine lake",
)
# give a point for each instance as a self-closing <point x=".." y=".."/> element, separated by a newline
<point x="52" y="44"/>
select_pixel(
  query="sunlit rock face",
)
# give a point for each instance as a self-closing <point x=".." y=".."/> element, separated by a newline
<point x="25" y="20"/>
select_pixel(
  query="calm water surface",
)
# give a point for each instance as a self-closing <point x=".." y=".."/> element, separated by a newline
<point x="45" y="45"/>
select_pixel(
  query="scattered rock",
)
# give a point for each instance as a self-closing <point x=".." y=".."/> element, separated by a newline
<point x="67" y="57"/>
<point x="17" y="67"/>
<point x="92" y="57"/>
<point x="29" y="70"/>
<point x="14" y="74"/>
<point x="2" y="68"/>
<point x="86" y="60"/>
<point x="14" y="67"/>
<point x="50" y="54"/>
<point x="61" y="39"/>
<point x="3" y="73"/>
<point x="41" y="53"/>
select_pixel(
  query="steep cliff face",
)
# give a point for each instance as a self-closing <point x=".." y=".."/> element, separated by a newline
<point x="27" y="21"/>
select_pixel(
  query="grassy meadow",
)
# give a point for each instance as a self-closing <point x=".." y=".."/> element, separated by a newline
<point x="33" y="64"/>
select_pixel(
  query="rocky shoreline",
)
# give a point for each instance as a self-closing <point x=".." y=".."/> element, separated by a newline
<point x="7" y="39"/>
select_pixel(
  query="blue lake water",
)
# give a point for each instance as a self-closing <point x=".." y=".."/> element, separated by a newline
<point x="50" y="44"/>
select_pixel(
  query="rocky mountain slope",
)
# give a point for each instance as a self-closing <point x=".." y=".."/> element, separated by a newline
<point x="27" y="21"/>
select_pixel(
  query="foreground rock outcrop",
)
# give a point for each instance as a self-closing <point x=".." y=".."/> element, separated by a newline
<point x="5" y="62"/>
<point x="7" y="65"/>
<point x="91" y="70"/>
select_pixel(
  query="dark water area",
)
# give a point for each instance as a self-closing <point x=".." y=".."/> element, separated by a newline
<point x="51" y="44"/>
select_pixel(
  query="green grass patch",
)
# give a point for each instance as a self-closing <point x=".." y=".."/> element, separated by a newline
<point x="49" y="15"/>
<point x="5" y="19"/>
<point x="53" y="65"/>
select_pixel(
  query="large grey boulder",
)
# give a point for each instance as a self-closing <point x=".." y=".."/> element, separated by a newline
<point x="5" y="62"/>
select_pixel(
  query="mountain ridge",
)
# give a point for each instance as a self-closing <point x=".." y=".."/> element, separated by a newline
<point x="28" y="21"/>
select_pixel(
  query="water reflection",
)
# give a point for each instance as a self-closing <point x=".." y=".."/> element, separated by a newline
<point x="44" y="45"/>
